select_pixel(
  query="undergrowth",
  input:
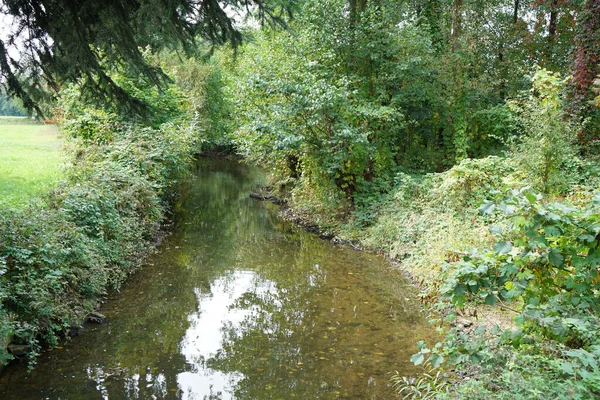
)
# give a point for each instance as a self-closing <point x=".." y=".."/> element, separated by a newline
<point x="62" y="251"/>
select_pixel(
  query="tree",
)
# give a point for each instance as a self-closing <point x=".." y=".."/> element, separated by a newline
<point x="585" y="69"/>
<point x="10" y="107"/>
<point x="61" y="41"/>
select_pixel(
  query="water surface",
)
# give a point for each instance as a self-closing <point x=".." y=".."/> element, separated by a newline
<point x="238" y="304"/>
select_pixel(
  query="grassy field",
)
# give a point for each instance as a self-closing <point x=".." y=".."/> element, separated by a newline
<point x="30" y="160"/>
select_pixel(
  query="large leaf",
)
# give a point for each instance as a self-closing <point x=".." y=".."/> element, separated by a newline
<point x="417" y="359"/>
<point x="555" y="258"/>
<point x="436" y="360"/>
<point x="502" y="247"/>
<point x="490" y="299"/>
<point x="487" y="207"/>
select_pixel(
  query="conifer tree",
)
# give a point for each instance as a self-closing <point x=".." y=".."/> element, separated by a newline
<point x="57" y="41"/>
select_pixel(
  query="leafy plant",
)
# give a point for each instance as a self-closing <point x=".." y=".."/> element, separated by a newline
<point x="548" y="140"/>
<point x="428" y="385"/>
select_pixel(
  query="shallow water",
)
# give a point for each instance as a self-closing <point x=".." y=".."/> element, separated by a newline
<point x="238" y="304"/>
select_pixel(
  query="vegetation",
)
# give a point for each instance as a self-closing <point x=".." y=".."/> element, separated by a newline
<point x="30" y="161"/>
<point x="62" y="41"/>
<point x="465" y="151"/>
<point x="9" y="107"/>
<point x="63" y="250"/>
<point x="460" y="137"/>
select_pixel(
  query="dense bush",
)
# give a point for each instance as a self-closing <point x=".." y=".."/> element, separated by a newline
<point x="544" y="265"/>
<point x="61" y="252"/>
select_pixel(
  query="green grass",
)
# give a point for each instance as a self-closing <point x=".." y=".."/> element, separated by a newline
<point x="30" y="161"/>
<point x="12" y="120"/>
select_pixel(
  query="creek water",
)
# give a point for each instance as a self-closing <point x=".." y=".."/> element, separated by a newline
<point x="238" y="304"/>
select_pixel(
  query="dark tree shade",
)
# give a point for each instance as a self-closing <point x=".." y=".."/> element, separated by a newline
<point x="61" y="41"/>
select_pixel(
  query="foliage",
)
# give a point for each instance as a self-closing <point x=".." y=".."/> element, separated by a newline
<point x="339" y="105"/>
<point x="203" y="84"/>
<point x="61" y="41"/>
<point x="85" y="113"/>
<point x="547" y="260"/>
<point x="378" y="120"/>
<point x="9" y="106"/>
<point x="597" y="91"/>
<point x="547" y="144"/>
<point x="62" y="251"/>
<point x="544" y="262"/>
<point x="422" y="219"/>
<point x="429" y="385"/>
<point x="586" y="66"/>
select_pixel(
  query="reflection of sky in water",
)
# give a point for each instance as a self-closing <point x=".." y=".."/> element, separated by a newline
<point x="247" y="309"/>
<point x="204" y="337"/>
<point x="155" y="383"/>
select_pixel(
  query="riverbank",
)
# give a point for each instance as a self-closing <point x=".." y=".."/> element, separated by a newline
<point x="63" y="251"/>
<point x="438" y="228"/>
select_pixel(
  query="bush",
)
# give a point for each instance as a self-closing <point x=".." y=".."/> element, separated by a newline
<point x="91" y="231"/>
<point x="545" y="264"/>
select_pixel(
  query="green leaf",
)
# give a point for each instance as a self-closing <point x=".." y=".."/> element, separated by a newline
<point x="496" y="230"/>
<point x="490" y="299"/>
<point x="534" y="301"/>
<point x="487" y="207"/>
<point x="417" y="359"/>
<point x="459" y="300"/>
<point x="436" y="360"/>
<point x="502" y="247"/>
<point x="475" y="358"/>
<point x="586" y="238"/>
<point x="555" y="258"/>
<point x="459" y="290"/>
<point x="567" y="367"/>
<point x="530" y="197"/>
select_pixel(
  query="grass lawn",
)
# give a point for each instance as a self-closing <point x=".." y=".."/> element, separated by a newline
<point x="30" y="160"/>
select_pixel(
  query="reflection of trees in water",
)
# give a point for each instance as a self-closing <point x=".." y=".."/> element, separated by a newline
<point x="310" y="330"/>
<point x="312" y="320"/>
<point x="267" y="346"/>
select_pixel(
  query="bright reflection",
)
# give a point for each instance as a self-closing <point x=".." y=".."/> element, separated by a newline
<point x="204" y="337"/>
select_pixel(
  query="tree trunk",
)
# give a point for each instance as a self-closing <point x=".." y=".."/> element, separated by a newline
<point x="456" y="24"/>
<point x="516" y="12"/>
<point x="552" y="23"/>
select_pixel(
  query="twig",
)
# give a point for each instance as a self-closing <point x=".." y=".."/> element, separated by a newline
<point x="501" y="304"/>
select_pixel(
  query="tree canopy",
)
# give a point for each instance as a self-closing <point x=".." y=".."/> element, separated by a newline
<point x="55" y="41"/>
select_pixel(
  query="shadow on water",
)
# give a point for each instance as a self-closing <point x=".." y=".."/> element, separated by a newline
<point x="238" y="304"/>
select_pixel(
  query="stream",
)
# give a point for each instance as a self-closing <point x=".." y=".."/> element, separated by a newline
<point x="238" y="304"/>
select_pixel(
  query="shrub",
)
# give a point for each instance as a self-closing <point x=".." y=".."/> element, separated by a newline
<point x="545" y="263"/>
<point x="91" y="231"/>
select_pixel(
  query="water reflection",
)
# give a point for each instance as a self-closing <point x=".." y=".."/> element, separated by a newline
<point x="203" y="338"/>
<point x="238" y="305"/>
